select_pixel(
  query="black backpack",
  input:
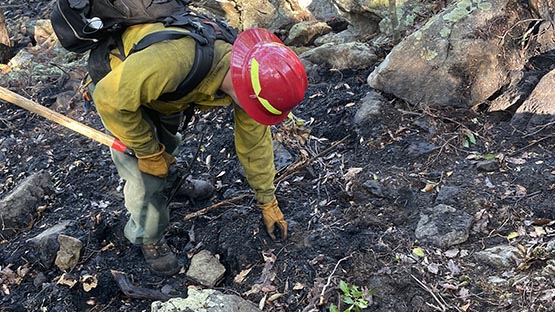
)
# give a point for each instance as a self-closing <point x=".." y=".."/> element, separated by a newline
<point x="82" y="24"/>
<point x="97" y="25"/>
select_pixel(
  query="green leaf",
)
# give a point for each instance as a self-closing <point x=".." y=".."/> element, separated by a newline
<point x="471" y="137"/>
<point x="465" y="143"/>
<point x="333" y="308"/>
<point x="356" y="293"/>
<point x="418" y="252"/>
<point x="362" y="303"/>
<point x="348" y="300"/>
<point x="344" y="287"/>
<point x="489" y="156"/>
<point x="512" y="235"/>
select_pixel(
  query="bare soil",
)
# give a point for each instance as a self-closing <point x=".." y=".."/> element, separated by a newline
<point x="339" y="228"/>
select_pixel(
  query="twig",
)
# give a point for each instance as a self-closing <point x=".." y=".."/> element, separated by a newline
<point x="539" y="129"/>
<point x="203" y="211"/>
<point x="441" y="303"/>
<point x="442" y="147"/>
<point x="321" y="302"/>
<point x="289" y="170"/>
<point x="530" y="145"/>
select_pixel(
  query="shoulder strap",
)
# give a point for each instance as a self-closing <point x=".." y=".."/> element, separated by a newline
<point x="204" y="53"/>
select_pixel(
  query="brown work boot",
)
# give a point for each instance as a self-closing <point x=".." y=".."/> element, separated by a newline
<point x="160" y="258"/>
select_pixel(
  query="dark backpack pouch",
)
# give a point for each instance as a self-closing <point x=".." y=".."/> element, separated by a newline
<point x="74" y="20"/>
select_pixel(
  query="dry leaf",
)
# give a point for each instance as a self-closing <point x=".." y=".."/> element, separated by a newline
<point x="465" y="307"/>
<point x="453" y="267"/>
<point x="522" y="249"/>
<point x="429" y="187"/>
<point x="5" y="289"/>
<point x="541" y="221"/>
<point x="239" y="278"/>
<point x="521" y="191"/>
<point x="89" y="282"/>
<point x="351" y="173"/>
<point x="67" y="280"/>
<point x="298" y="286"/>
<point x="451" y="253"/>
<point x="540" y="231"/>
<point x="275" y="297"/>
<point x="262" y="302"/>
<point x="433" y="268"/>
<point x="108" y="246"/>
<point x="449" y="286"/>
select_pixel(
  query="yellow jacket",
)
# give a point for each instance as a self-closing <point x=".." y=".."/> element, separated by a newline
<point x="147" y="74"/>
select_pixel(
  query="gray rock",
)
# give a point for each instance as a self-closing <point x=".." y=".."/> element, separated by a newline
<point x="487" y="165"/>
<point x="206" y="269"/>
<point x="420" y="148"/>
<point x="205" y="300"/>
<point x="18" y="208"/>
<point x="69" y="252"/>
<point x="46" y="243"/>
<point x="369" y="107"/>
<point x="443" y="226"/>
<point x="341" y="56"/>
<point x="347" y="35"/>
<point x="304" y="33"/>
<point x="374" y="187"/>
<point x="56" y="229"/>
<point x="21" y="60"/>
<point x="282" y="157"/>
<point x="447" y="195"/>
<point x="502" y="256"/>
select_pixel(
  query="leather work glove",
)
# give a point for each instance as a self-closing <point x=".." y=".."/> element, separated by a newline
<point x="157" y="164"/>
<point x="272" y="216"/>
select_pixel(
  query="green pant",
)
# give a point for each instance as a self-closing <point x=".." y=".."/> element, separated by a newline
<point x="145" y="199"/>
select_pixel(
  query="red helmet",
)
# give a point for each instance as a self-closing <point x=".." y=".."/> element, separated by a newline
<point x="269" y="79"/>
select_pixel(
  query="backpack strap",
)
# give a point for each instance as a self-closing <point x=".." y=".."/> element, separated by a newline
<point x="99" y="57"/>
<point x="204" y="54"/>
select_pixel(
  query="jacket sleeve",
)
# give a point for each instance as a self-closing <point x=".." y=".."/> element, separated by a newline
<point x="138" y="80"/>
<point x="253" y="144"/>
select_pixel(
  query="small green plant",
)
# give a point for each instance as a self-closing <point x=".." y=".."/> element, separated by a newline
<point x="356" y="299"/>
<point x="469" y="138"/>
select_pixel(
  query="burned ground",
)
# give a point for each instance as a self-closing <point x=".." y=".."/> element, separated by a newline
<point x="352" y="195"/>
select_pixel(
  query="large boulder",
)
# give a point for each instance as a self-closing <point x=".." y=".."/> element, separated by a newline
<point x="538" y="109"/>
<point x="460" y="57"/>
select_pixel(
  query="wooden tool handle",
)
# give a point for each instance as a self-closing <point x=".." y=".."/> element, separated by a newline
<point x="100" y="137"/>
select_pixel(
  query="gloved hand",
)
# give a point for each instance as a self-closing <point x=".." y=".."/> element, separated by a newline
<point x="157" y="164"/>
<point x="272" y="216"/>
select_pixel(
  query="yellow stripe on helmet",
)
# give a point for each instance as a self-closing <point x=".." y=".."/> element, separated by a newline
<point x="255" y="80"/>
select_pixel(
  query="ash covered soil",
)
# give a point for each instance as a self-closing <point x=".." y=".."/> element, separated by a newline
<point x="352" y="195"/>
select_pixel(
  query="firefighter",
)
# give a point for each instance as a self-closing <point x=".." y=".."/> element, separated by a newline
<point x="257" y="75"/>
